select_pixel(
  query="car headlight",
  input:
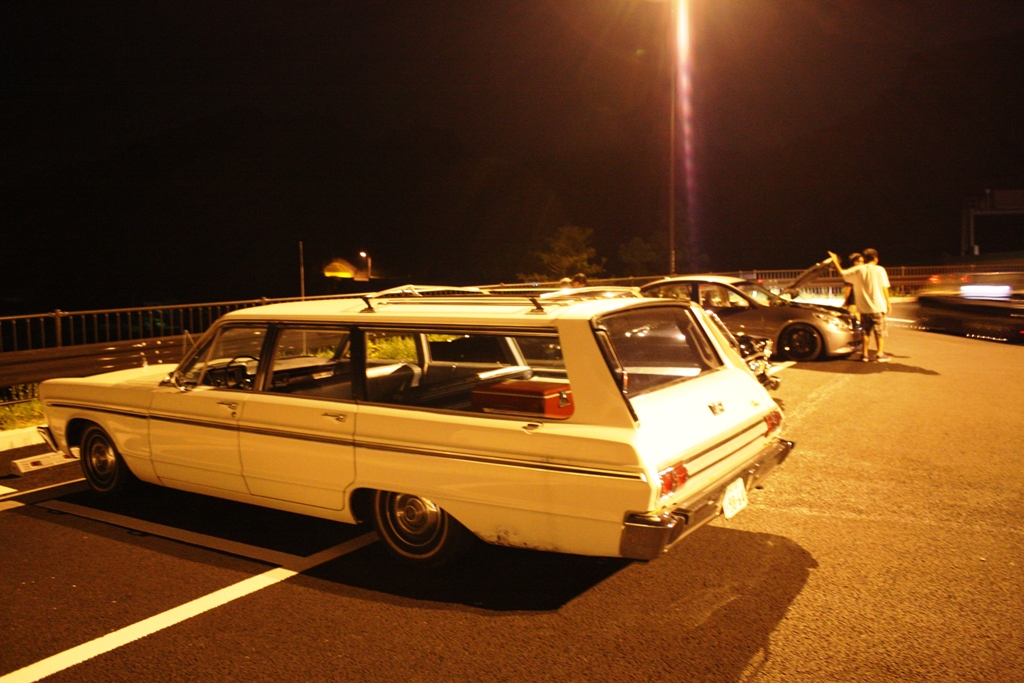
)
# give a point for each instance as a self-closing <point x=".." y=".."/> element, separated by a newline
<point x="835" y="321"/>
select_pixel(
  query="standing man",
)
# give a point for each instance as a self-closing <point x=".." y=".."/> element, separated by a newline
<point x="849" y="302"/>
<point x="871" y="292"/>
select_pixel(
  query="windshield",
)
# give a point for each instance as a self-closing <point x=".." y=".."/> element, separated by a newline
<point x="759" y="293"/>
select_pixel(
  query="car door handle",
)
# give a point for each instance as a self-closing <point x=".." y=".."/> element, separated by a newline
<point x="340" y="417"/>
<point x="230" y="404"/>
<point x="531" y="427"/>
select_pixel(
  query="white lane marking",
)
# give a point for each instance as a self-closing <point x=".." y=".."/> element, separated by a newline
<point x="173" y="533"/>
<point x="47" y="492"/>
<point x="10" y="505"/>
<point x="176" y="615"/>
<point x="776" y="368"/>
<point x="816" y="399"/>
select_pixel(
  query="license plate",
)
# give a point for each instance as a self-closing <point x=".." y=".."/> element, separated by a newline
<point x="735" y="498"/>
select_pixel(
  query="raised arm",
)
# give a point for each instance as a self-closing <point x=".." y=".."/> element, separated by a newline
<point x="836" y="263"/>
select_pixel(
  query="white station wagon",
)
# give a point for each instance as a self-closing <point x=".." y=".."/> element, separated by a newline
<point x="604" y="427"/>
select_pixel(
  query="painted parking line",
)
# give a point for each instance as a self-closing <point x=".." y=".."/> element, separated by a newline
<point x="776" y="368"/>
<point x="176" y="615"/>
<point x="251" y="552"/>
<point x="46" y="492"/>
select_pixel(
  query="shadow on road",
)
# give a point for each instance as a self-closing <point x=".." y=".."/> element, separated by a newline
<point x="855" y="366"/>
<point x="489" y="578"/>
<point x="708" y="607"/>
<point x="250" y="524"/>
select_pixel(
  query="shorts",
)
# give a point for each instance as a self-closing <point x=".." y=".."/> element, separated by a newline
<point x="874" y="323"/>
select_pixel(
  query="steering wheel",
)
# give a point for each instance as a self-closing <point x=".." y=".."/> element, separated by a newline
<point x="241" y="361"/>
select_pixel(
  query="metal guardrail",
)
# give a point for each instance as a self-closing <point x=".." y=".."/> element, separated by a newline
<point x="58" y="328"/>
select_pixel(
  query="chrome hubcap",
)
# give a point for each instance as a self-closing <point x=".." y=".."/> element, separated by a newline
<point x="100" y="457"/>
<point x="416" y="520"/>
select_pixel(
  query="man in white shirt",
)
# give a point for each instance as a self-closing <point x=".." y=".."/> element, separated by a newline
<point x="871" y="293"/>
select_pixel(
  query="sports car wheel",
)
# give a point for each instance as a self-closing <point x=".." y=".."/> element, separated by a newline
<point x="416" y="531"/>
<point x="102" y="465"/>
<point x="801" y="342"/>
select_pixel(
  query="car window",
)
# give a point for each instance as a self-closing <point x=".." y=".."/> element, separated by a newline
<point x="312" y="362"/>
<point x="485" y="372"/>
<point x="542" y="353"/>
<point x="229" y="361"/>
<point x="679" y="291"/>
<point x="759" y="293"/>
<point x="658" y="346"/>
<point x="713" y="296"/>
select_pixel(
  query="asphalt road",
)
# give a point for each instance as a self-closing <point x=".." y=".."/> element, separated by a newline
<point x="889" y="547"/>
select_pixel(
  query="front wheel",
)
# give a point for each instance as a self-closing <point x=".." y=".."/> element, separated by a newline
<point x="801" y="342"/>
<point x="103" y="466"/>
<point x="416" y="531"/>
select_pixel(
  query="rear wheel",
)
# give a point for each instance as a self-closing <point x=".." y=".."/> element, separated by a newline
<point x="416" y="531"/>
<point x="801" y="342"/>
<point x="103" y="466"/>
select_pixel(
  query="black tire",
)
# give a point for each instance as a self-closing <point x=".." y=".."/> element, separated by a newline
<point x="104" y="468"/>
<point x="801" y="342"/>
<point x="417" y="532"/>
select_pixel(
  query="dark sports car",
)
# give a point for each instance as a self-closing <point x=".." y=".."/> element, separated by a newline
<point x="800" y="331"/>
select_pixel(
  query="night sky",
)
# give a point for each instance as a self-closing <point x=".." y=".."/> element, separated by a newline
<point x="161" y="151"/>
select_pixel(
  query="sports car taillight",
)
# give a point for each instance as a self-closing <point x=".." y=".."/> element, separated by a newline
<point x="673" y="478"/>
<point x="773" y="421"/>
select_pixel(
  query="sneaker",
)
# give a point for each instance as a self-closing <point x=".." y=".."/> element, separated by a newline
<point x="865" y="359"/>
<point x="883" y="358"/>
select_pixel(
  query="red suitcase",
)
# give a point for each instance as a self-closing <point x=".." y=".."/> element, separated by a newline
<point x="535" y="398"/>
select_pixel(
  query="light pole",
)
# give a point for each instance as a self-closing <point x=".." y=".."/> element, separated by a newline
<point x="369" y="265"/>
<point x="679" y="75"/>
<point x="302" y="274"/>
<point x="673" y="72"/>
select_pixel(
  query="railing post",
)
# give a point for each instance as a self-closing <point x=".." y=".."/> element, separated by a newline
<point x="56" y="326"/>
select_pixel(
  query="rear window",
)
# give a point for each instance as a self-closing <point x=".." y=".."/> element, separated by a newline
<point x="658" y="346"/>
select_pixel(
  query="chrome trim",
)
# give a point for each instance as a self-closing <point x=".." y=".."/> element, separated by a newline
<point x="99" y="409"/>
<point x="44" y="431"/>
<point x="232" y="425"/>
<point x="494" y="460"/>
<point x="262" y="431"/>
<point x="739" y="433"/>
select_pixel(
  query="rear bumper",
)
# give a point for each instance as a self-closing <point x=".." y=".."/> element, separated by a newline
<point x="646" y="535"/>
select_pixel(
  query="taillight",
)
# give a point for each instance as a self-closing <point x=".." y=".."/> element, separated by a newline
<point x="772" y="421"/>
<point x="673" y="478"/>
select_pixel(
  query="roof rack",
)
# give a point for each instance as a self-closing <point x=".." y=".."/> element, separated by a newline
<point x="467" y="300"/>
<point x="537" y="297"/>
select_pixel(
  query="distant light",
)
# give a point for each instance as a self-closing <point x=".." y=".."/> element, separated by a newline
<point x="986" y="291"/>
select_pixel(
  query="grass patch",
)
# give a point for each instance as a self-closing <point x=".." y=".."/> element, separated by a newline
<point x="28" y="413"/>
<point x="21" y="415"/>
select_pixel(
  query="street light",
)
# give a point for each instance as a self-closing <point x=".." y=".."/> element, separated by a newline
<point x="369" y="265"/>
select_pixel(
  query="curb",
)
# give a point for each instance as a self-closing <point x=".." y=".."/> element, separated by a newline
<point x="19" y="438"/>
